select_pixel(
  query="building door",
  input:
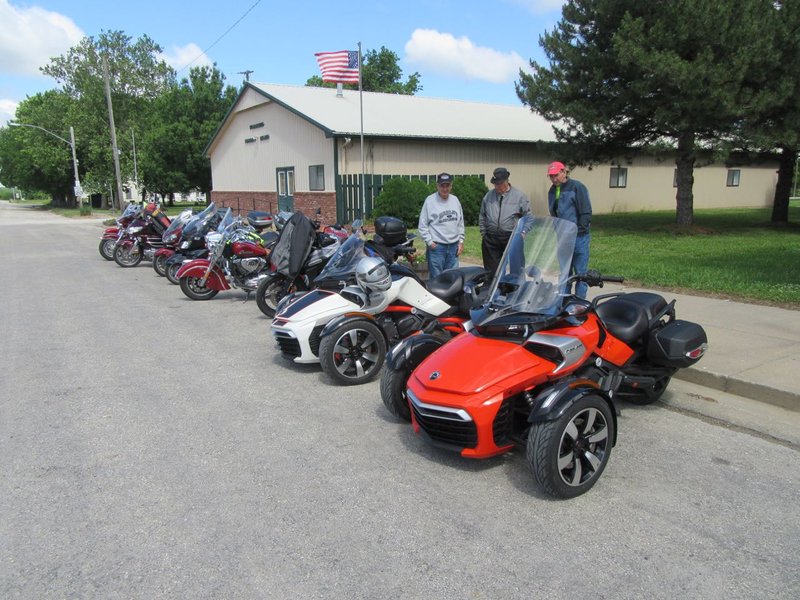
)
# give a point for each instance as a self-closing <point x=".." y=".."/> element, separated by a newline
<point x="286" y="188"/>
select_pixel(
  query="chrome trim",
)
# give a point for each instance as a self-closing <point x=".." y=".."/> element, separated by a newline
<point x="428" y="410"/>
<point x="571" y="349"/>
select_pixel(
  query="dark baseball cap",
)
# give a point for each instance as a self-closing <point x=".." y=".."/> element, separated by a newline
<point x="444" y="178"/>
<point x="500" y="174"/>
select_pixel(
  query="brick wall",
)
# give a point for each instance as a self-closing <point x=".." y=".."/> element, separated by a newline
<point x="307" y="202"/>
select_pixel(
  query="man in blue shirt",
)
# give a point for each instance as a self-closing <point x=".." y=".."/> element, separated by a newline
<point x="569" y="199"/>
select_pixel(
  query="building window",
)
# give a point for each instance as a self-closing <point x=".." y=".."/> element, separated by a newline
<point x="733" y="177"/>
<point x="675" y="178"/>
<point x="619" y="177"/>
<point x="316" y="178"/>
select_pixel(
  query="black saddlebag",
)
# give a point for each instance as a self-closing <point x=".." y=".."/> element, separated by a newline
<point x="391" y="230"/>
<point x="679" y="344"/>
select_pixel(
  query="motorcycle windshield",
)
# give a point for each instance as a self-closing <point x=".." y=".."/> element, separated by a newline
<point x="198" y="222"/>
<point x="130" y="210"/>
<point x="178" y="222"/>
<point x="226" y="222"/>
<point x="344" y="260"/>
<point x="533" y="272"/>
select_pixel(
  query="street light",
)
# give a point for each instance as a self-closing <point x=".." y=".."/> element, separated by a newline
<point x="78" y="188"/>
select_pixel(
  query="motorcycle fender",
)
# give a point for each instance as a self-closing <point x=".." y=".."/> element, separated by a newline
<point x="164" y="252"/>
<point x="410" y="352"/>
<point x="197" y="268"/>
<point x="127" y="243"/>
<point x="553" y="402"/>
<point x="110" y="233"/>
<point x="351" y="317"/>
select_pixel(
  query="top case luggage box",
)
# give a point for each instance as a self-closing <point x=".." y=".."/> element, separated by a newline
<point x="391" y="230"/>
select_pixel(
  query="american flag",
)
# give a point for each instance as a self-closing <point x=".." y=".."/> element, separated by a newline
<point x="338" y="67"/>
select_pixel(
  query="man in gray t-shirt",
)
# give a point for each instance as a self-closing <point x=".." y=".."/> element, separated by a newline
<point x="501" y="208"/>
<point x="441" y="227"/>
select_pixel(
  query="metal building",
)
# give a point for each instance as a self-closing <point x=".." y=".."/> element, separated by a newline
<point x="296" y="147"/>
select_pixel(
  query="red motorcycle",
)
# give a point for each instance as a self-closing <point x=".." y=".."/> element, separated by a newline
<point x="142" y="237"/>
<point x="541" y="369"/>
<point x="237" y="258"/>
<point x="111" y="235"/>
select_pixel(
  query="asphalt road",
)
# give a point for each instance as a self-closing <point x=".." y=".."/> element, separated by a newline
<point x="155" y="447"/>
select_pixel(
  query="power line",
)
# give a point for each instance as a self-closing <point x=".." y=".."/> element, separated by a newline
<point x="227" y="31"/>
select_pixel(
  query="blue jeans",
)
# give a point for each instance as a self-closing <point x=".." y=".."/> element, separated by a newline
<point x="441" y="258"/>
<point x="580" y="262"/>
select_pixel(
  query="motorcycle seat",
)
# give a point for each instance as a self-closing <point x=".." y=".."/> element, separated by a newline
<point x="625" y="319"/>
<point x="448" y="285"/>
<point x="652" y="303"/>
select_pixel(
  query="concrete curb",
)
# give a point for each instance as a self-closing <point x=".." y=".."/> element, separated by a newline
<point x="740" y="387"/>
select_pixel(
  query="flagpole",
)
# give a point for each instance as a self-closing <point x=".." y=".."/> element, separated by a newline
<point x="361" y="105"/>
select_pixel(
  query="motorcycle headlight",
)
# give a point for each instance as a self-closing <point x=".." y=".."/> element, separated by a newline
<point x="171" y="238"/>
<point x="134" y="229"/>
<point x="184" y="245"/>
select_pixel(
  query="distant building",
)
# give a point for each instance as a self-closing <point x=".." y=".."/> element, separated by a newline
<point x="296" y="147"/>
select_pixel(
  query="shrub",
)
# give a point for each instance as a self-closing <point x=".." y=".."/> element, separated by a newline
<point x="470" y="192"/>
<point x="402" y="198"/>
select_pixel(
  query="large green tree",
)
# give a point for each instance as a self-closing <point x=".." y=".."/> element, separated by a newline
<point x="625" y="73"/>
<point x="33" y="159"/>
<point x="777" y="125"/>
<point x="137" y="76"/>
<point x="183" y="119"/>
<point x="380" y="73"/>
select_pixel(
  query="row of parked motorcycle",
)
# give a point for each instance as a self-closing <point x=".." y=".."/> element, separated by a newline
<point x="480" y="363"/>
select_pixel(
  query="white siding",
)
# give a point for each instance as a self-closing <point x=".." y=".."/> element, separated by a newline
<point x="293" y="142"/>
<point x="649" y="183"/>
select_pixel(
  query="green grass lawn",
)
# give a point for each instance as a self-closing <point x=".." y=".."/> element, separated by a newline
<point x="734" y="253"/>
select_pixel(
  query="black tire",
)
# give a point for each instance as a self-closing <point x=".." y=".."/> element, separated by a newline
<point x="353" y="353"/>
<point x="192" y="287"/>
<point x="124" y="258"/>
<point x="393" y="393"/>
<point x="568" y="455"/>
<point x="270" y="292"/>
<point x="107" y="248"/>
<point x="643" y="396"/>
<point x="160" y="265"/>
<point x="171" y="273"/>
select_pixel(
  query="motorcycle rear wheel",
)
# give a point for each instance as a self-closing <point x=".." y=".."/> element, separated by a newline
<point x="393" y="393"/>
<point x="192" y="287"/>
<point x="124" y="258"/>
<point x="568" y="455"/>
<point x="644" y="396"/>
<point x="160" y="265"/>
<point x="353" y="353"/>
<point x="107" y="248"/>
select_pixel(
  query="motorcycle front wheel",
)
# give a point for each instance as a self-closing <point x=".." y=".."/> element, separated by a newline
<point x="171" y="273"/>
<point x="568" y="455"/>
<point x="160" y="265"/>
<point x="393" y="393"/>
<point x="270" y="292"/>
<point x="107" y="248"/>
<point x="195" y="289"/>
<point x="125" y="258"/>
<point x="353" y="353"/>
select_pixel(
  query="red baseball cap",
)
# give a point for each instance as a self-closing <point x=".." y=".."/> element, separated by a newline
<point x="555" y="168"/>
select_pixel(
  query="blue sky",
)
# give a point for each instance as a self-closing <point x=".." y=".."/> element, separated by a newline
<point x="463" y="49"/>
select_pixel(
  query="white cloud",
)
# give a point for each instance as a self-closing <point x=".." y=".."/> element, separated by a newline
<point x="190" y="55"/>
<point x="460" y="57"/>
<point x="8" y="109"/>
<point x="32" y="36"/>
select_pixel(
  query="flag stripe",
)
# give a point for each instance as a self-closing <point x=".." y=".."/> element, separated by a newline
<point x="338" y="67"/>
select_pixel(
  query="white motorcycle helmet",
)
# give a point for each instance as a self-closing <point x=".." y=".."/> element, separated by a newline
<point x="373" y="275"/>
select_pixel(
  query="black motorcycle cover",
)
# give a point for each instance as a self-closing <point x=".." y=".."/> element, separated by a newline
<point x="294" y="245"/>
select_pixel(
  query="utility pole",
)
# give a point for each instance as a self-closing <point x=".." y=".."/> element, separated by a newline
<point x="246" y="75"/>
<point x="114" y="149"/>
